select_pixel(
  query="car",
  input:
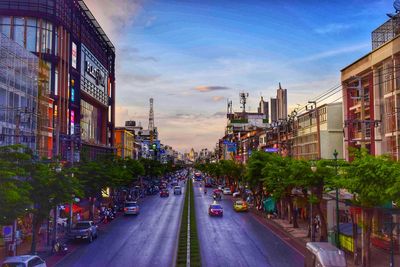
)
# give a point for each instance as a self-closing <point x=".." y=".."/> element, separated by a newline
<point x="131" y="207"/>
<point x="24" y="261"/>
<point x="177" y="190"/>
<point x="236" y="194"/>
<point x="215" y="210"/>
<point x="220" y="187"/>
<point x="164" y="193"/>
<point x="226" y="191"/>
<point x="240" y="205"/>
<point x="84" y="230"/>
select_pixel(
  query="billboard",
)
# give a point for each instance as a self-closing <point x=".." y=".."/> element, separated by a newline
<point x="74" y="55"/>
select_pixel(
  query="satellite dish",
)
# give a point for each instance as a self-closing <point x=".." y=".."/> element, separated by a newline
<point x="396" y="5"/>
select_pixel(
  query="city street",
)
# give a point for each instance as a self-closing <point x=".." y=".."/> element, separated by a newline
<point x="238" y="239"/>
<point x="149" y="239"/>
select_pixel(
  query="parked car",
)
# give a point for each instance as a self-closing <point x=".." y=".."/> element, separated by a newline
<point x="174" y="183"/>
<point x="226" y="191"/>
<point x="84" y="230"/>
<point x="240" y="205"/>
<point x="131" y="207"/>
<point x="215" y="210"/>
<point x="164" y="193"/>
<point x="177" y="190"/>
<point x="24" y="261"/>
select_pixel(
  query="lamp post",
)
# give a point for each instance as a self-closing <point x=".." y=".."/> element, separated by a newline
<point x="58" y="170"/>
<point x="312" y="237"/>
<point x="335" y="155"/>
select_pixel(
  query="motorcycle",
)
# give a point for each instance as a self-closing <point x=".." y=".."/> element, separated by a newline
<point x="60" y="248"/>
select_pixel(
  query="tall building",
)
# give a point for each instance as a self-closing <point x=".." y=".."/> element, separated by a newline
<point x="263" y="108"/>
<point x="274" y="110"/>
<point x="371" y="87"/>
<point x="76" y="74"/>
<point x="281" y="103"/>
<point x="18" y="94"/>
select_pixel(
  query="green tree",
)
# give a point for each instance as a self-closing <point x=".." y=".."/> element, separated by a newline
<point x="253" y="173"/>
<point x="14" y="192"/>
<point x="49" y="189"/>
<point x="372" y="180"/>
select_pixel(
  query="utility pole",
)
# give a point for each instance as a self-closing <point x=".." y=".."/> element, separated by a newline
<point x="318" y="128"/>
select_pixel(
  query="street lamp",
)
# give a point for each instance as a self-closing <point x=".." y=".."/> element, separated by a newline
<point x="58" y="170"/>
<point x="312" y="237"/>
<point x="335" y="155"/>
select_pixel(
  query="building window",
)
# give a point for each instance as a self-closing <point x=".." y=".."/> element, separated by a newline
<point x="90" y="123"/>
<point x="5" y="26"/>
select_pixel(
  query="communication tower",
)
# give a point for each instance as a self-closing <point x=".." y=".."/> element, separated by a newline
<point x="151" y="122"/>
<point x="243" y="99"/>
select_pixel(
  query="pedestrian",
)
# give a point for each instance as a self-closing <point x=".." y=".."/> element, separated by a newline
<point x="78" y="216"/>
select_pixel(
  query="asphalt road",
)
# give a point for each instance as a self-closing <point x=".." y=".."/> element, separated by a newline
<point x="238" y="239"/>
<point x="148" y="239"/>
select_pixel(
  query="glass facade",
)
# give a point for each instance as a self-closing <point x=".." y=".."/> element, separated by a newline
<point x="90" y="123"/>
<point x="18" y="94"/>
<point x="33" y="34"/>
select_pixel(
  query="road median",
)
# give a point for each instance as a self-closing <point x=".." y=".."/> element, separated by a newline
<point x="188" y="253"/>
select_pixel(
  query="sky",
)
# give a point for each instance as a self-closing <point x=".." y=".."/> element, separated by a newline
<point x="193" y="55"/>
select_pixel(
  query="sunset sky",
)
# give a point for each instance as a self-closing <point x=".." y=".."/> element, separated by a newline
<point x="191" y="55"/>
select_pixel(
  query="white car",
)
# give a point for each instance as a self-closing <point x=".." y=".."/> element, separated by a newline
<point x="236" y="194"/>
<point x="24" y="261"/>
<point x="226" y="191"/>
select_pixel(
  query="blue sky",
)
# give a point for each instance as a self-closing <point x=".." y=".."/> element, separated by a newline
<point x="191" y="55"/>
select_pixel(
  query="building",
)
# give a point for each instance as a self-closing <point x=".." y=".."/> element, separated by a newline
<point x="274" y="110"/>
<point x="371" y="99"/>
<point x="263" y="108"/>
<point x="76" y="74"/>
<point x="317" y="137"/>
<point x="18" y="94"/>
<point x="281" y="103"/>
<point x="124" y="142"/>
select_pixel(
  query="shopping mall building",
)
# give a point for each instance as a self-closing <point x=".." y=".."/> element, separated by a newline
<point x="76" y="79"/>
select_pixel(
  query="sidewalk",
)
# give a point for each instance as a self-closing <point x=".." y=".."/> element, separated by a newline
<point x="285" y="230"/>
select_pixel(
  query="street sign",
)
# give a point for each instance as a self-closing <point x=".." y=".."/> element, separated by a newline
<point x="7" y="233"/>
<point x="271" y="150"/>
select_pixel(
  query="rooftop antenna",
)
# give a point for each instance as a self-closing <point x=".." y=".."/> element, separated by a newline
<point x="243" y="99"/>
<point x="229" y="110"/>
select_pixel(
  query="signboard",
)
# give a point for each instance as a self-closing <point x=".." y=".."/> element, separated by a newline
<point x="72" y="122"/>
<point x="7" y="233"/>
<point x="272" y="150"/>
<point x="74" y="53"/>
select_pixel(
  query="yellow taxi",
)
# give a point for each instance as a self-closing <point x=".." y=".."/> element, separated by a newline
<point x="240" y="205"/>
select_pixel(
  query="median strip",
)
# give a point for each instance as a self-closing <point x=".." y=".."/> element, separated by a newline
<point x="188" y="246"/>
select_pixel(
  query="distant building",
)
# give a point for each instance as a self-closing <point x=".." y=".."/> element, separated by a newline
<point x="263" y="108"/>
<point x="274" y="110"/>
<point x="281" y="103"/>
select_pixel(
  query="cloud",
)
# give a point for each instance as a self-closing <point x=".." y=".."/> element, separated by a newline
<point x="203" y="88"/>
<point x="333" y="28"/>
<point x="335" y="52"/>
<point x="114" y="17"/>
<point x="217" y="98"/>
<point x="219" y="114"/>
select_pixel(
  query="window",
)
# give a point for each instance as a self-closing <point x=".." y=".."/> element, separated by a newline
<point x="5" y="26"/>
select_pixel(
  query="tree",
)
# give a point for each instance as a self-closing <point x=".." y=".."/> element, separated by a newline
<point x="253" y="174"/>
<point x="49" y="189"/>
<point x="14" y="192"/>
<point x="372" y="180"/>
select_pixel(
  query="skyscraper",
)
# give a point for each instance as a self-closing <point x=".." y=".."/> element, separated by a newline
<point x="281" y="99"/>
<point x="274" y="109"/>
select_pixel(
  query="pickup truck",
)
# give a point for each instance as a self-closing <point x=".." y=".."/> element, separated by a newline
<point x="84" y="230"/>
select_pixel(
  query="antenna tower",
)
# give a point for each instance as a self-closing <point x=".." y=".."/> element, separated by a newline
<point x="151" y="122"/>
<point x="243" y="98"/>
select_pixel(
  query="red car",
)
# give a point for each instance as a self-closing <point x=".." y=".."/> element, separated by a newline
<point x="164" y="193"/>
<point x="215" y="210"/>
